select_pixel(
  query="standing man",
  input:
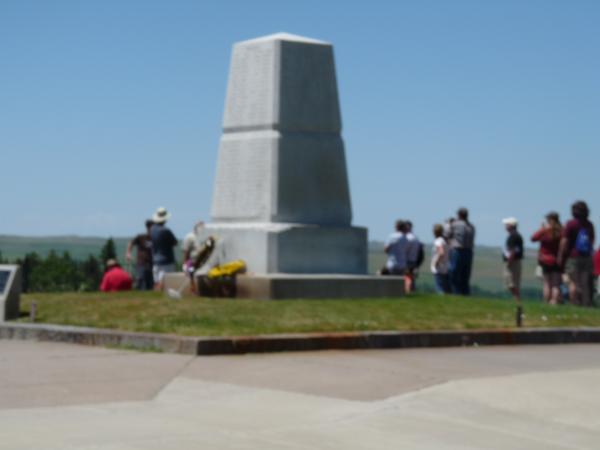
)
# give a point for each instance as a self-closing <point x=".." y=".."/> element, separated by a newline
<point x="144" y="280"/>
<point x="163" y="242"/>
<point x="512" y="256"/>
<point x="396" y="247"/>
<point x="461" y="237"/>
<point x="414" y="257"/>
<point x="575" y="254"/>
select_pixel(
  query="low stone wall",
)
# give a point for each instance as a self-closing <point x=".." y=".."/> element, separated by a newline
<point x="290" y="286"/>
<point x="295" y="342"/>
<point x="99" y="337"/>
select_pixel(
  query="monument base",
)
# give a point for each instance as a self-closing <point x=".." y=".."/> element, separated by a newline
<point x="292" y="248"/>
<point x="289" y="286"/>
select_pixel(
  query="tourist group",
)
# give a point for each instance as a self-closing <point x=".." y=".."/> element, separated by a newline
<point x="567" y="263"/>
<point x="155" y="257"/>
<point x="566" y="260"/>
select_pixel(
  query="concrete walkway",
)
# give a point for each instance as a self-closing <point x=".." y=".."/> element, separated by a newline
<point x="57" y="396"/>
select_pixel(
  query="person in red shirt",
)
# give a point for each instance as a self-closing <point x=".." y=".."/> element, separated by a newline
<point x="549" y="236"/>
<point x="115" y="278"/>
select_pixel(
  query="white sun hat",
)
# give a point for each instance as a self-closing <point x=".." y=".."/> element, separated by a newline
<point x="510" y="221"/>
<point x="161" y="215"/>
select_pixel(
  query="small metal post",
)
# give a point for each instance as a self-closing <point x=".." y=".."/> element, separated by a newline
<point x="519" y="316"/>
<point x="32" y="311"/>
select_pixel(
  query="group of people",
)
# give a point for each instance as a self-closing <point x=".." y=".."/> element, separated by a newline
<point x="451" y="259"/>
<point x="405" y="254"/>
<point x="566" y="257"/>
<point x="155" y="257"/>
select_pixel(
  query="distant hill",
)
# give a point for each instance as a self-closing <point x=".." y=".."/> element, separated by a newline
<point x="13" y="247"/>
<point x="487" y="270"/>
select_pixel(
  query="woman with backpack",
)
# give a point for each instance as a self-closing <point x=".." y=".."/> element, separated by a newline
<point x="576" y="254"/>
<point x="549" y="236"/>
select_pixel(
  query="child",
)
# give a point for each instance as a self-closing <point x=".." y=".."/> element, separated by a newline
<point x="439" y="260"/>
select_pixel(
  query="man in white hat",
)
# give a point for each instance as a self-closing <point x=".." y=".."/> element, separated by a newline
<point x="513" y="254"/>
<point x="163" y="243"/>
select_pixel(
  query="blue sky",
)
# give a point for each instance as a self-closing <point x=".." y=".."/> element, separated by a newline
<point x="109" y="109"/>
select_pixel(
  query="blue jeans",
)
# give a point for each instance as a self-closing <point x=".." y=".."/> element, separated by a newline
<point x="461" y="263"/>
<point x="442" y="283"/>
<point x="144" y="280"/>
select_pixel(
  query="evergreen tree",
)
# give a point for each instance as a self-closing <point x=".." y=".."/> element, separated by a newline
<point x="55" y="274"/>
<point x="59" y="273"/>
<point x="91" y="272"/>
<point x="28" y="264"/>
<point x="108" y="251"/>
<point x="71" y="276"/>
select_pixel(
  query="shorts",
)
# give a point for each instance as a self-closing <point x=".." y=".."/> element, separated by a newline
<point x="579" y="265"/>
<point x="553" y="278"/>
<point x="159" y="270"/>
<point x="512" y="274"/>
<point x="547" y="269"/>
<point x="393" y="271"/>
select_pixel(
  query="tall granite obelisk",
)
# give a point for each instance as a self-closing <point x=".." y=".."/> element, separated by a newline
<point x="281" y="198"/>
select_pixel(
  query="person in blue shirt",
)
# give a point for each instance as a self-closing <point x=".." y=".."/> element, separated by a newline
<point x="396" y="248"/>
<point x="163" y="244"/>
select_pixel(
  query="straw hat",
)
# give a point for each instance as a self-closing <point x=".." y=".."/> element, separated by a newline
<point x="510" y="221"/>
<point x="161" y="215"/>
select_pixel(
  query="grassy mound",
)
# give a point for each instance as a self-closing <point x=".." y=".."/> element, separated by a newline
<point x="153" y="312"/>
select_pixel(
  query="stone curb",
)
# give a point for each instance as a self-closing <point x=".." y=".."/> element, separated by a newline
<point x="98" y="336"/>
<point x="296" y="342"/>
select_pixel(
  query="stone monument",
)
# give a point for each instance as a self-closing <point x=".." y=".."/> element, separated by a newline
<point x="10" y="291"/>
<point x="281" y="197"/>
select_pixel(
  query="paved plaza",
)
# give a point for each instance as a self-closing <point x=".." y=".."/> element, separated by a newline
<point x="60" y="396"/>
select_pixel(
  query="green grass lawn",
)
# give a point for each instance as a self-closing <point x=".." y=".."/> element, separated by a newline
<point x="153" y="312"/>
